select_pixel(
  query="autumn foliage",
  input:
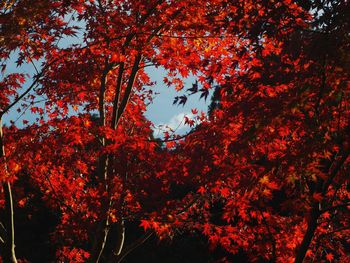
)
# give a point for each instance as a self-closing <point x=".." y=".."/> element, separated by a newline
<point x="264" y="176"/>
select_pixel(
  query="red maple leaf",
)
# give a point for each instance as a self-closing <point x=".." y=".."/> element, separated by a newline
<point x="330" y="257"/>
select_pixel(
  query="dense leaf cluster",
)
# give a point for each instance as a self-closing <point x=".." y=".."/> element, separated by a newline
<point x="263" y="177"/>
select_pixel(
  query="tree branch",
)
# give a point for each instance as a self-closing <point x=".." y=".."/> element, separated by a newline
<point x="34" y="83"/>
<point x="118" y="258"/>
<point x="334" y="207"/>
<point x="315" y="212"/>
<point x="334" y="231"/>
<point x="117" y="96"/>
<point x="127" y="93"/>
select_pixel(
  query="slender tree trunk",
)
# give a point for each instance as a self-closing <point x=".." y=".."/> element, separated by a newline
<point x="114" y="258"/>
<point x="8" y="253"/>
<point x="100" y="242"/>
<point x="102" y="228"/>
<point x="9" y="247"/>
<point x="309" y="234"/>
<point x="120" y="238"/>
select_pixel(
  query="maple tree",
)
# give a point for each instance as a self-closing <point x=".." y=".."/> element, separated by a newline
<point x="266" y="172"/>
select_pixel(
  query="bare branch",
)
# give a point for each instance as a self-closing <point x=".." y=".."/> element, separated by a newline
<point x="34" y="84"/>
<point x="332" y="208"/>
<point x="131" y="247"/>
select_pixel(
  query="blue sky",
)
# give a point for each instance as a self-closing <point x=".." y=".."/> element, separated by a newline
<point x="163" y="112"/>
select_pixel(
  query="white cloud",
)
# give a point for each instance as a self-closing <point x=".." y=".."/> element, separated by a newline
<point x="176" y="123"/>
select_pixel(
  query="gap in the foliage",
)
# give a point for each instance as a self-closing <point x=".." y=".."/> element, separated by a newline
<point x="163" y="113"/>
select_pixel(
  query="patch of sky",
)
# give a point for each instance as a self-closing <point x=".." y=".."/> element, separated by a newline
<point x="163" y="113"/>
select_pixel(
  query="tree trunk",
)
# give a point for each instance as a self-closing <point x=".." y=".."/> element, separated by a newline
<point x="309" y="234"/>
<point x="121" y="237"/>
<point x="120" y="241"/>
<point x="100" y="242"/>
<point x="8" y="254"/>
<point x="124" y="251"/>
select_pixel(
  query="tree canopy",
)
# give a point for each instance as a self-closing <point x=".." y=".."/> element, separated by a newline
<point x="264" y="175"/>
